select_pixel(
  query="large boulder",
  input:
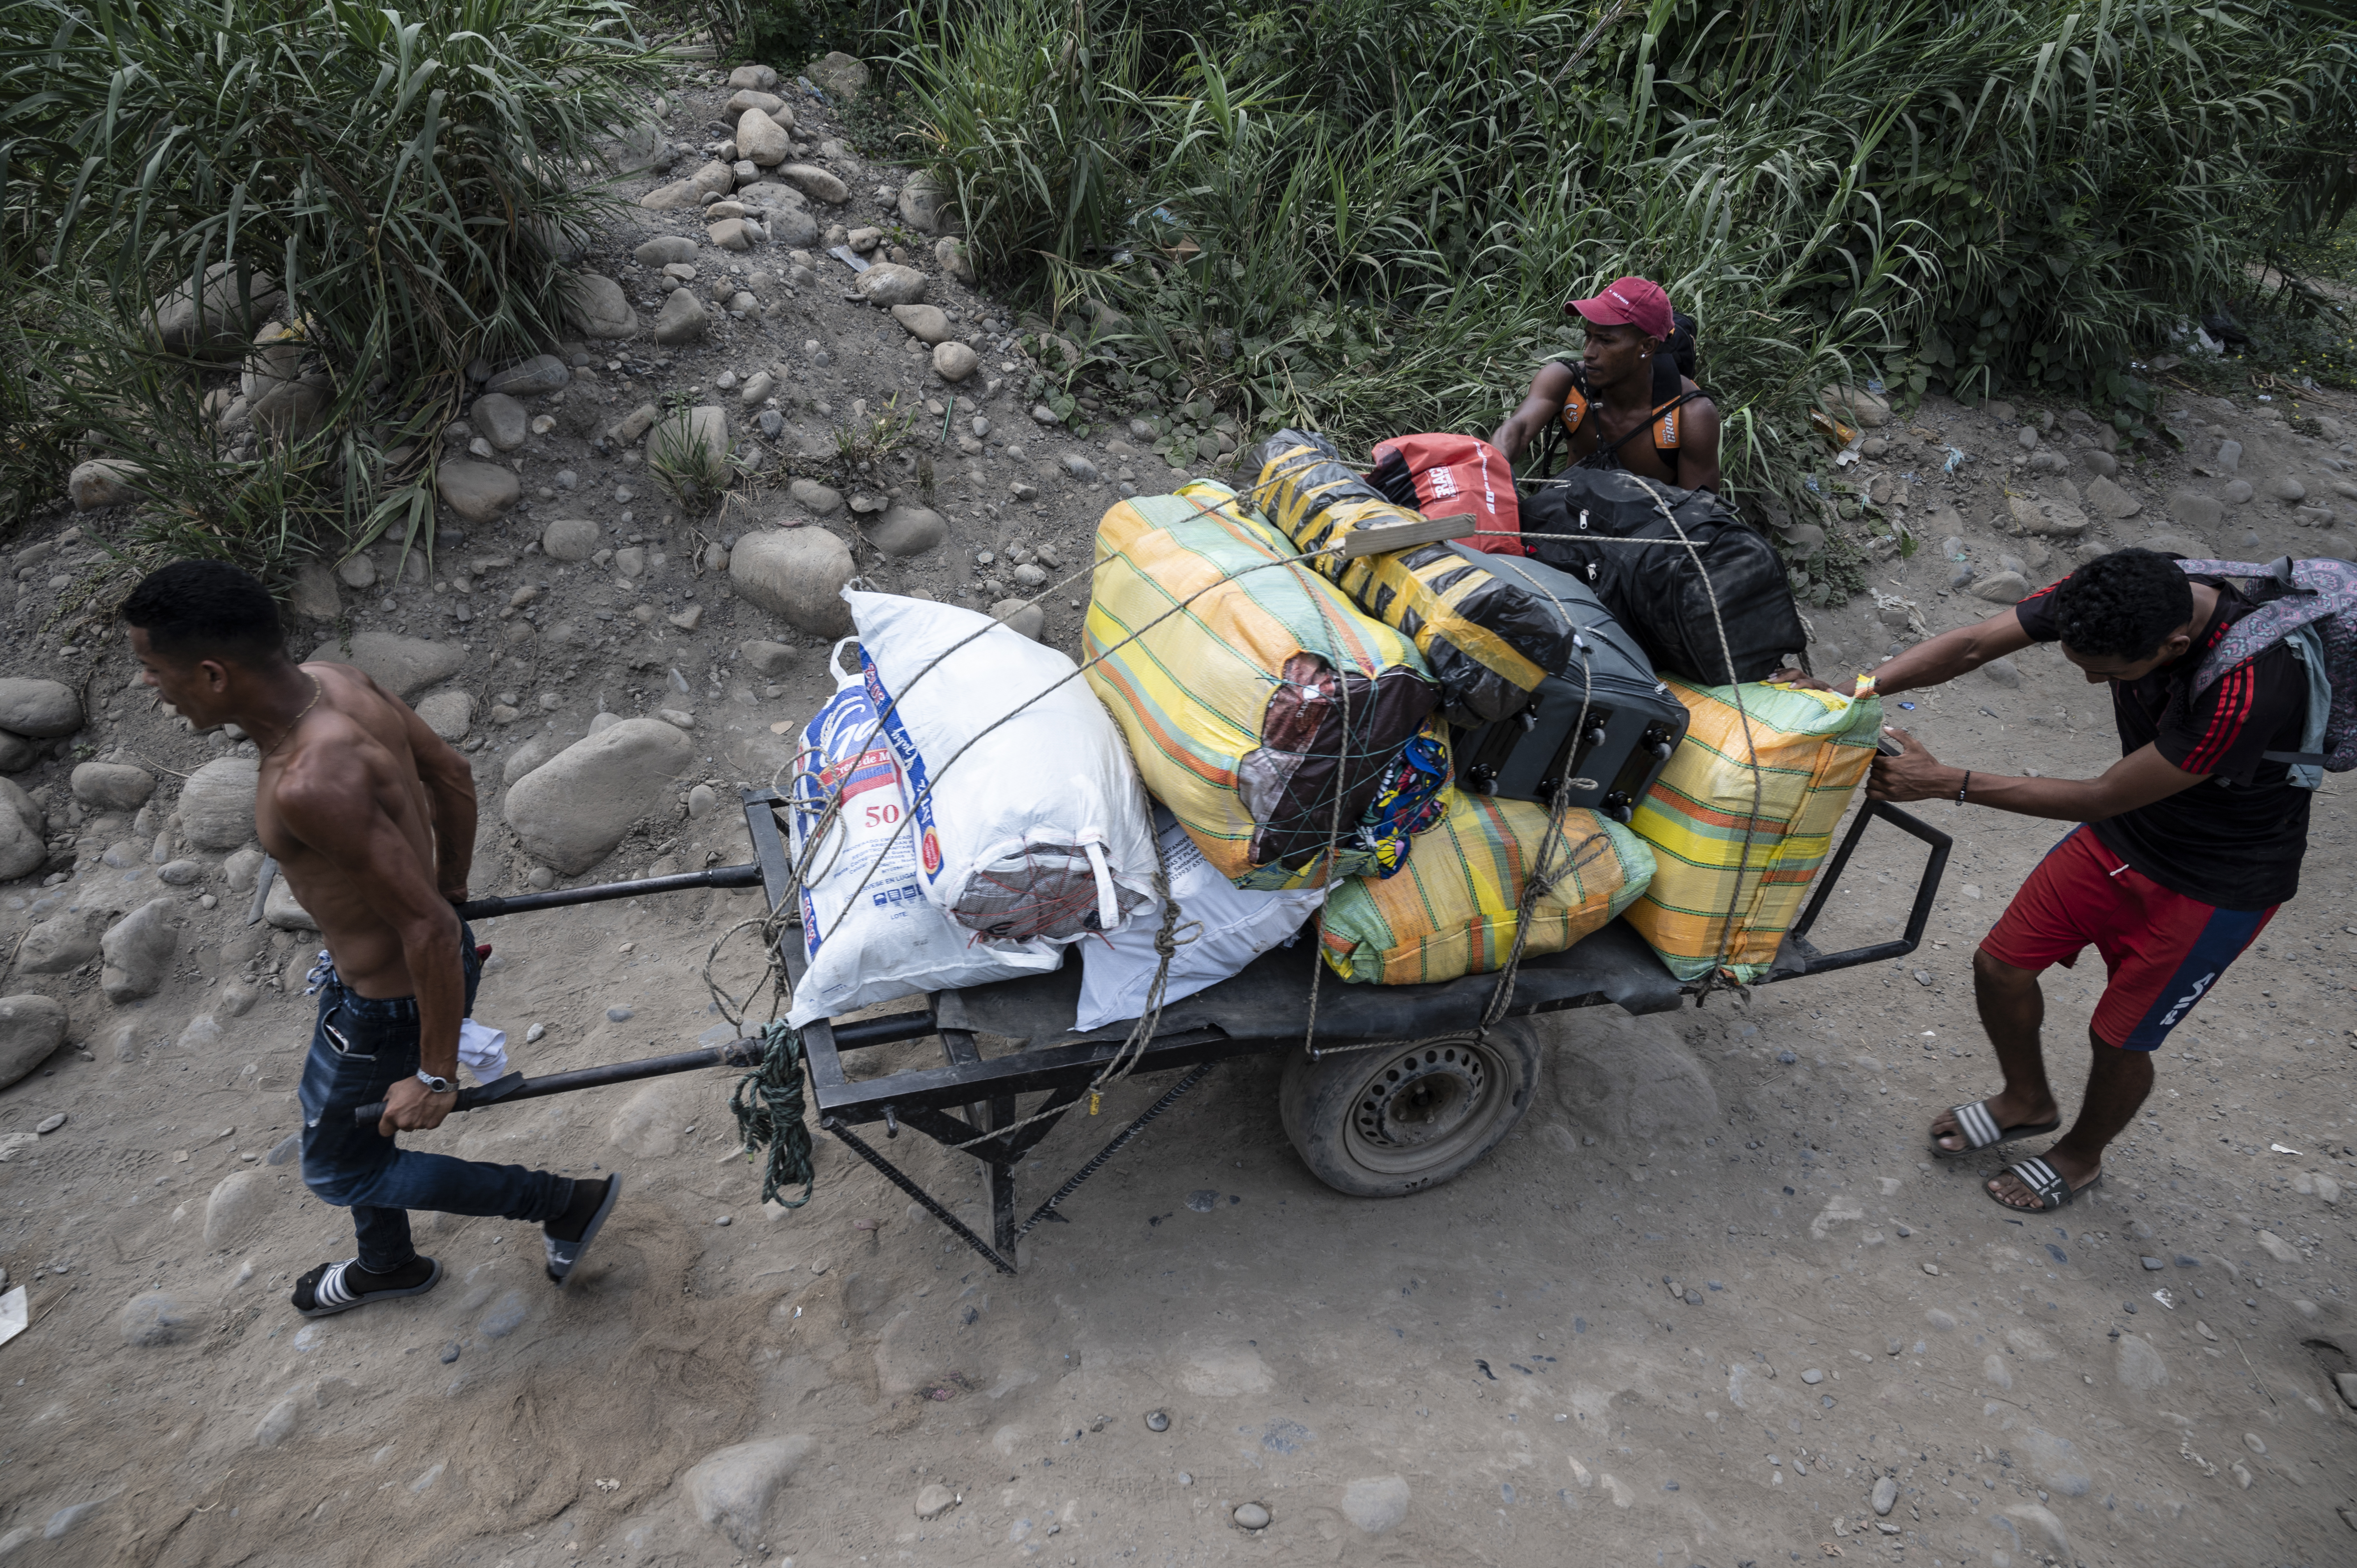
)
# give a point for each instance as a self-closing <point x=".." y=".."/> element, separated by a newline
<point x="598" y="309"/>
<point x="112" y="785"/>
<point x="216" y="803"/>
<point x="31" y="1026"/>
<point x="733" y="1487"/>
<point x="104" y="481"/>
<point x="38" y="708"/>
<point x="398" y="664"/>
<point x="574" y="809"/>
<point x="138" y="949"/>
<point x="796" y="573"/>
<point x="230" y="310"/>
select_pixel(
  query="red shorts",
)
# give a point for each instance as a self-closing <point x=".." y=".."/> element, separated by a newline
<point x="2162" y="950"/>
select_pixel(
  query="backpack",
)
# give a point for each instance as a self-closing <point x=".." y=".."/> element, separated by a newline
<point x="2312" y="606"/>
<point x="1443" y="475"/>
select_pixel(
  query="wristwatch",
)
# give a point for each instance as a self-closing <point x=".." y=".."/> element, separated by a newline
<point x="437" y="1085"/>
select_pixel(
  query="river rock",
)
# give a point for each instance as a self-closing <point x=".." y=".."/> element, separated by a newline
<point x="731" y="1488"/>
<point x="2095" y="460"/>
<point x="14" y="802"/>
<point x="933" y="1499"/>
<point x="2048" y="519"/>
<point x="1856" y="406"/>
<point x="217" y="802"/>
<point x="569" y="538"/>
<point x="357" y="572"/>
<point x="478" y="492"/>
<point x="112" y="785"/>
<point x="138" y="949"/>
<point x="664" y="250"/>
<point x="228" y="318"/>
<point x="925" y="323"/>
<point x="693" y="443"/>
<point x="155" y="1319"/>
<point x="753" y="98"/>
<point x="1376" y="1503"/>
<point x="31" y="1026"/>
<point x="888" y="284"/>
<point x="2285" y="488"/>
<point x="924" y="204"/>
<point x="449" y="714"/>
<point x="500" y="420"/>
<point x="954" y="362"/>
<point x="762" y="139"/>
<point x="798" y="574"/>
<point x="1026" y="617"/>
<point x="2195" y="509"/>
<point x="573" y="809"/>
<point x="2137" y="1365"/>
<point x="817" y="498"/>
<point x="595" y="307"/>
<point x="949" y="255"/>
<point x="2110" y="501"/>
<point x="2040" y="1530"/>
<point x="41" y="709"/>
<point x="729" y="234"/>
<point x="236" y="1209"/>
<point x="838" y="75"/>
<point x="17" y="753"/>
<point x="1885" y="1494"/>
<point x="682" y="320"/>
<point x="22" y="849"/>
<point x="103" y="481"/>
<point x="535" y="377"/>
<point x="906" y="530"/>
<point x="815" y="183"/>
<point x="402" y="665"/>
<point x="65" y="941"/>
<point x="753" y="78"/>
<point x="314" y="597"/>
<point x="531" y="755"/>
<point x="2001" y="588"/>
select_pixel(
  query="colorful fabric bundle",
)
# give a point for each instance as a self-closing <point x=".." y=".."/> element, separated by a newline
<point x="1489" y="641"/>
<point x="1453" y="911"/>
<point x="1441" y="475"/>
<point x="1811" y="748"/>
<point x="1255" y="695"/>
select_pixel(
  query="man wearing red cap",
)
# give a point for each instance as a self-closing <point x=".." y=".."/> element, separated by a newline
<point x="1624" y="403"/>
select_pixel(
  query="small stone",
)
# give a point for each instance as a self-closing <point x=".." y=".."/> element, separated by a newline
<point x="2004" y="671"/>
<point x="357" y="571"/>
<point x="112" y="785"/>
<point x="1157" y="1421"/>
<point x="933" y="1500"/>
<point x="729" y="234"/>
<point x="2284" y="487"/>
<point x="618" y="1015"/>
<point x="1023" y="490"/>
<point x="2194" y="510"/>
<point x="797" y="573"/>
<point x="32" y="1026"/>
<point x="533" y="1036"/>
<point x="500" y="418"/>
<point x="1030" y="577"/>
<point x="954" y="362"/>
<point x="904" y="532"/>
<point x="2234" y="492"/>
<point x="1885" y="1494"/>
<point x="1812" y="1376"/>
<point x="2095" y="460"/>
<point x="757" y="385"/>
<point x="2229" y="456"/>
<point x="2109" y="500"/>
<point x="1080" y="469"/>
<point x="664" y="250"/>
<point x="1931" y="1268"/>
<point x="2001" y="588"/>
<point x="1026" y="619"/>
<point x="926" y="323"/>
<point x="598" y="309"/>
<point x="1252" y="1516"/>
<point x="103" y="482"/>
<point x="449" y="714"/>
<point x="2037" y="515"/>
<point x="770" y="659"/>
<point x="820" y="185"/>
<point x="569" y="538"/>
<point x="817" y="498"/>
<point x="39" y="709"/>
<point x="2154" y="1264"/>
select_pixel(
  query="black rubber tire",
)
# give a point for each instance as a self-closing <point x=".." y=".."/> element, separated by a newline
<point x="1385" y="1124"/>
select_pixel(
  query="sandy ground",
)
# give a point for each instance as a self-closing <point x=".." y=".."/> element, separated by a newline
<point x="1497" y="1372"/>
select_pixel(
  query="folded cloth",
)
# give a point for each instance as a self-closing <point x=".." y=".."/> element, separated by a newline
<point x="482" y="1050"/>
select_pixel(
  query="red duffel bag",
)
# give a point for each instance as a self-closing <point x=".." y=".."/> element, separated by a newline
<point x="1444" y="475"/>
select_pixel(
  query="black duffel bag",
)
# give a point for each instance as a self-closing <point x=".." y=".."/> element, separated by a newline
<point x="1654" y="590"/>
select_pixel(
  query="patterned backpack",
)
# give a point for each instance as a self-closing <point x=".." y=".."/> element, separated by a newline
<point x="2311" y="605"/>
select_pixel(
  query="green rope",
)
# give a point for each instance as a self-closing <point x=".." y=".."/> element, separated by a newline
<point x="768" y="1106"/>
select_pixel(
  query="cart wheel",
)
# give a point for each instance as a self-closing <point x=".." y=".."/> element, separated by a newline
<point x="1385" y="1124"/>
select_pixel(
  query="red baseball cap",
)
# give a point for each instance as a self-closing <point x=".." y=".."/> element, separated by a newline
<point x="1630" y="300"/>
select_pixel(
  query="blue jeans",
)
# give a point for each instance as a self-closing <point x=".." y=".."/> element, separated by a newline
<point x="361" y="1047"/>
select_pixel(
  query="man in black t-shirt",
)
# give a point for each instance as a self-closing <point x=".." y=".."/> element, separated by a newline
<point x="2187" y="845"/>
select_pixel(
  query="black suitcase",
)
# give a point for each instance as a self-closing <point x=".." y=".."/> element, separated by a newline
<point x="1633" y="722"/>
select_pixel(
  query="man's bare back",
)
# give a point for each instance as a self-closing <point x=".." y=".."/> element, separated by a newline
<point x="367" y="768"/>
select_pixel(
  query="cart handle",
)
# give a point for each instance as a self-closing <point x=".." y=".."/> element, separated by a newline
<point x="1797" y="957"/>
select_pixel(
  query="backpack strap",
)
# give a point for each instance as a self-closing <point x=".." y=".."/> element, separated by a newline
<point x="2301" y="599"/>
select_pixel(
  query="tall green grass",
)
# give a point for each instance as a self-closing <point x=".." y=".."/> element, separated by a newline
<point x="1365" y="214"/>
<point x="416" y="178"/>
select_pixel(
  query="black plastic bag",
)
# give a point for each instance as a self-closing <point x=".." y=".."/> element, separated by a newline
<point x="1654" y="590"/>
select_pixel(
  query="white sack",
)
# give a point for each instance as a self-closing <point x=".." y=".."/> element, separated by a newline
<point x="1222" y="927"/>
<point x="868" y="930"/>
<point x="1030" y="817"/>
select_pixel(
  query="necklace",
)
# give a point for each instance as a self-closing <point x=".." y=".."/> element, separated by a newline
<point x="317" y="691"/>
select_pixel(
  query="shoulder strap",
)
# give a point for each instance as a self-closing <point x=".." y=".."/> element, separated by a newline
<point x="2307" y="591"/>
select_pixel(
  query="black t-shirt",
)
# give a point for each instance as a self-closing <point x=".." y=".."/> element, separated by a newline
<point x="2235" y="839"/>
